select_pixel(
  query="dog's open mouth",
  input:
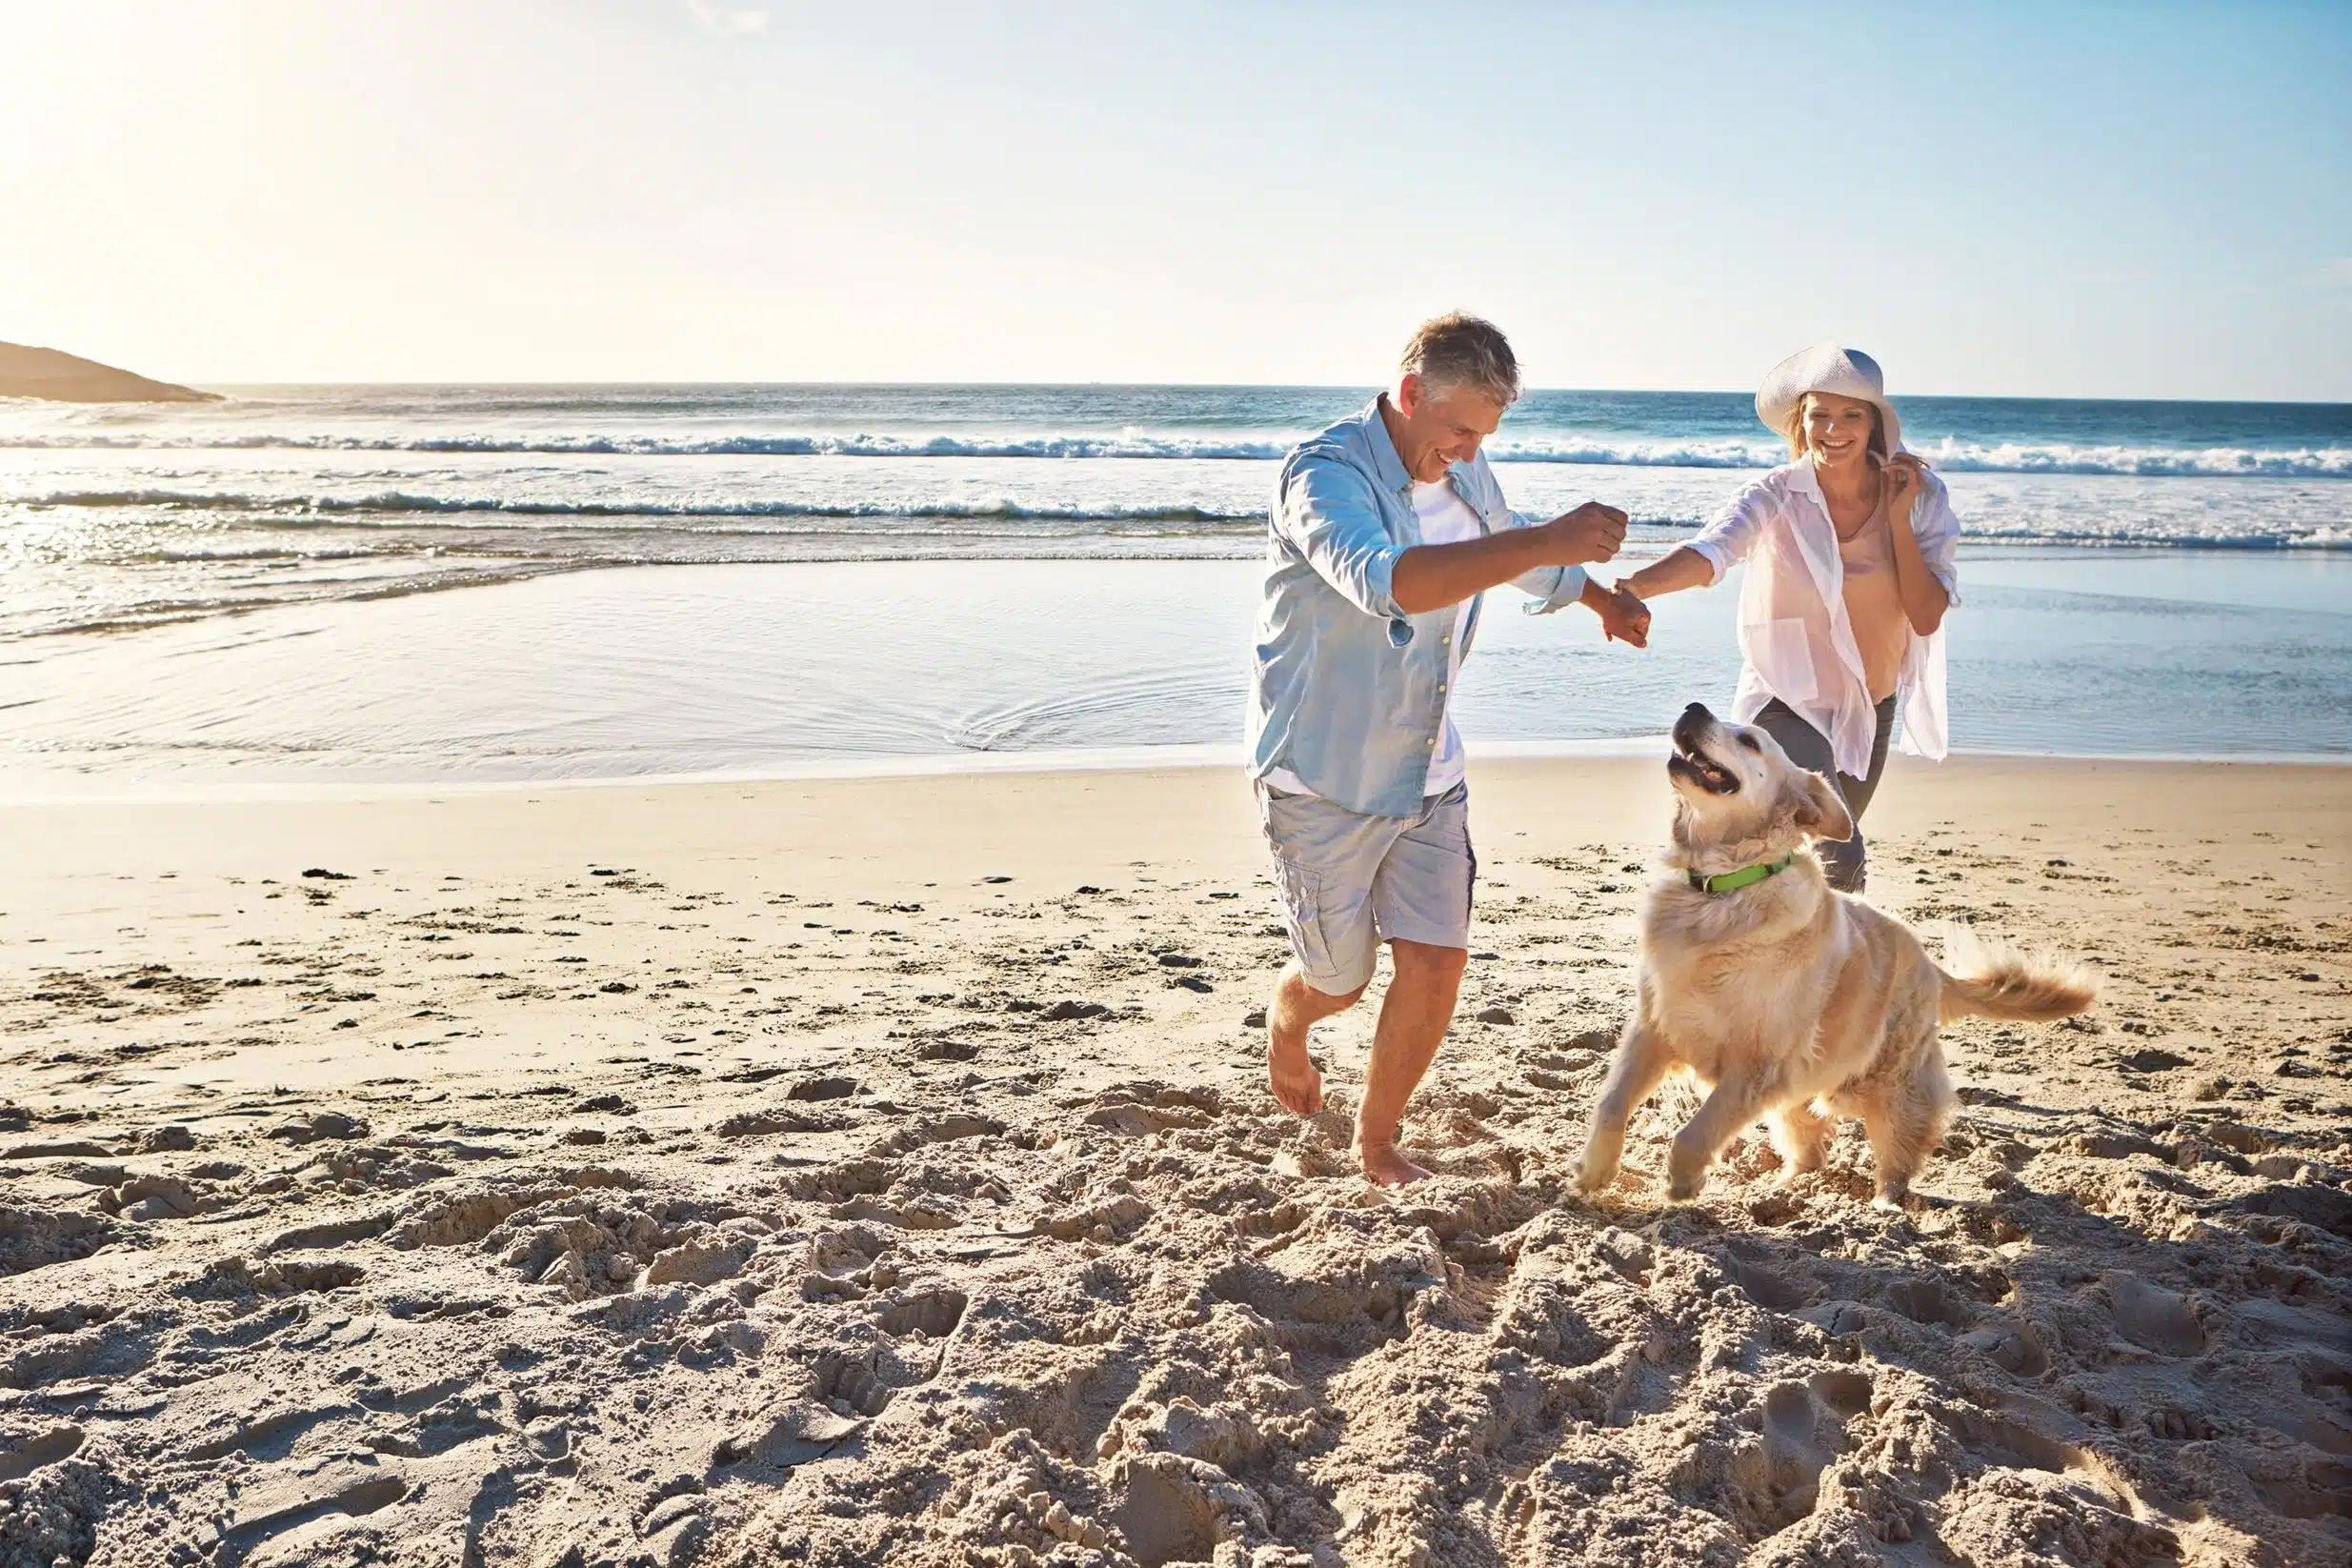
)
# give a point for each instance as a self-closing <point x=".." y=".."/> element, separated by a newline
<point x="1691" y="763"/>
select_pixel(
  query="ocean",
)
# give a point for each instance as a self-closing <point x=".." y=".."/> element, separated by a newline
<point x="247" y="589"/>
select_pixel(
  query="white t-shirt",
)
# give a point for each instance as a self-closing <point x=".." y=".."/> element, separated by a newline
<point x="1445" y="519"/>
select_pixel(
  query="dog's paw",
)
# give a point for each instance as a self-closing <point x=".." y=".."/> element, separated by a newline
<point x="1681" y="1186"/>
<point x="1597" y="1165"/>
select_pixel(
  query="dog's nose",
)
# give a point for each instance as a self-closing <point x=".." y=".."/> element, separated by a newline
<point x="1695" y="721"/>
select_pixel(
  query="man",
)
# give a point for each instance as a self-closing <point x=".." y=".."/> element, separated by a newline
<point x="1386" y="530"/>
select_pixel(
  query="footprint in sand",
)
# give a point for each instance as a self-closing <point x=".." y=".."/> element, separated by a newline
<point x="863" y="1381"/>
<point x="56" y="1444"/>
<point x="2014" y="1348"/>
<point x="932" y="1313"/>
<point x="2153" y="1317"/>
<point x="1932" y="1302"/>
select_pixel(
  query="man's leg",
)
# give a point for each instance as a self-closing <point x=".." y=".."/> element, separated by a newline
<point x="1414" y="1018"/>
<point x="1421" y="898"/>
<point x="1298" y="1007"/>
<point x="1324" y="859"/>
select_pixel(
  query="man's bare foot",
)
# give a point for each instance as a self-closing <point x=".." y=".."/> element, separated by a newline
<point x="1384" y="1166"/>
<point x="1291" y="1075"/>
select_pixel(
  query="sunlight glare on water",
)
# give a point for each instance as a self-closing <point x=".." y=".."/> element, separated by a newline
<point x="764" y="669"/>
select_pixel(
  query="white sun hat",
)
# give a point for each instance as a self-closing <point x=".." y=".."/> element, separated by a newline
<point x="1825" y="368"/>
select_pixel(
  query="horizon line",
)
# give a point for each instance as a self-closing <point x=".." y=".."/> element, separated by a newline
<point x="1350" y="388"/>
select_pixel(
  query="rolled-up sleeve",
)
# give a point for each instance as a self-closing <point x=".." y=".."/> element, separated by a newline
<point x="1936" y="526"/>
<point x="1726" y="541"/>
<point x="1327" y="511"/>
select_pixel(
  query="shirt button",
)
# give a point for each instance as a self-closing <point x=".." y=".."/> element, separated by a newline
<point x="1440" y="685"/>
<point x="1446" y="641"/>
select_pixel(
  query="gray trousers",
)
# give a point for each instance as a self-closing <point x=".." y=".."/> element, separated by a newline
<point x="1808" y="748"/>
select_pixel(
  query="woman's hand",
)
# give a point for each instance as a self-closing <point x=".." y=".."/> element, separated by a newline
<point x="1624" y="617"/>
<point x="1901" y="482"/>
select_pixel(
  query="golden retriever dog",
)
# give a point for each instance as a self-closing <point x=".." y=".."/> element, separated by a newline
<point x="1790" y="1002"/>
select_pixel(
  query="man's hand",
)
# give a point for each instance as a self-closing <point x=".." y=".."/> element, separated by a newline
<point x="1589" y="534"/>
<point x="1623" y="616"/>
<point x="1433" y="576"/>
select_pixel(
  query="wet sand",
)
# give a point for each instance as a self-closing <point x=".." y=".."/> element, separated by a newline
<point x="879" y="1171"/>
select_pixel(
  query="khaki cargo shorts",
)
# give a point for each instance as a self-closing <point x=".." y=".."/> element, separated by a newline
<point x="1350" y="882"/>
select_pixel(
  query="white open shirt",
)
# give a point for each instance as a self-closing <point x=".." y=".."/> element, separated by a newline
<point x="1794" y="638"/>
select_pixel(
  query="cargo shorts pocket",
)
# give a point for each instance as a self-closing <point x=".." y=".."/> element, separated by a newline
<point x="1302" y="912"/>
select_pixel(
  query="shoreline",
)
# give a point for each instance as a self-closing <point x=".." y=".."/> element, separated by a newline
<point x="1104" y="760"/>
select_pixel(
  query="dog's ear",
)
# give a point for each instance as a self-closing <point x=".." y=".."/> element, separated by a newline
<point x="1820" y="809"/>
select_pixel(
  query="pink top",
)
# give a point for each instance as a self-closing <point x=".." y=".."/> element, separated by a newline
<point x="1872" y="603"/>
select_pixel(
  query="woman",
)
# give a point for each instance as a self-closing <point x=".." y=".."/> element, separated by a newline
<point x="1849" y="550"/>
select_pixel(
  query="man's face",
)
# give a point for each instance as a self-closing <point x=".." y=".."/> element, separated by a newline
<point x="1441" y="427"/>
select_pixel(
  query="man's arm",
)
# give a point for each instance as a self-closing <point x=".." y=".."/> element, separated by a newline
<point x="1432" y="577"/>
<point x="1326" y="510"/>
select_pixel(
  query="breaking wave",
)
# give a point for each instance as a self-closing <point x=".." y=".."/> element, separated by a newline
<point x="2329" y="462"/>
<point x="394" y="509"/>
<point x="403" y="504"/>
<point x="399" y="502"/>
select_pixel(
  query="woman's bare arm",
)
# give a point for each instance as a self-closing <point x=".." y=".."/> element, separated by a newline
<point x="1680" y="568"/>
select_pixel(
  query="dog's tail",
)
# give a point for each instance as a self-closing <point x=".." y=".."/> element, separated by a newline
<point x="2001" y="982"/>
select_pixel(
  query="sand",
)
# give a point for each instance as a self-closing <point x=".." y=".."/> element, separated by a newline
<point x="879" y="1172"/>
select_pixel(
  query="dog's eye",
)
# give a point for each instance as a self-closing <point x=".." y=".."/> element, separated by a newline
<point x="1749" y="742"/>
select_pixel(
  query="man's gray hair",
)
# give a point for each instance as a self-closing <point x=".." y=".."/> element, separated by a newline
<point x="1458" y="351"/>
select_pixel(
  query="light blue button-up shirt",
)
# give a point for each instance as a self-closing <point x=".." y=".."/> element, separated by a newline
<point x="1347" y="691"/>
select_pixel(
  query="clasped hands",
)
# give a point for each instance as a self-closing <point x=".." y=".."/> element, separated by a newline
<point x="1623" y="616"/>
<point x="1589" y="535"/>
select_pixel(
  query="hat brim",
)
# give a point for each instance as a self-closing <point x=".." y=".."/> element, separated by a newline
<point x="1823" y="368"/>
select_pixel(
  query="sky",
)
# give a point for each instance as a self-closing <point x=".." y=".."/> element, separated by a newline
<point x="2130" y="200"/>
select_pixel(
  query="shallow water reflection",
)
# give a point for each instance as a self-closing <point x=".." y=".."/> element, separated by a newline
<point x="752" y="668"/>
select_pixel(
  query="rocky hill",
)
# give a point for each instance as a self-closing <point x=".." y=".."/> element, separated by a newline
<point x="68" y="378"/>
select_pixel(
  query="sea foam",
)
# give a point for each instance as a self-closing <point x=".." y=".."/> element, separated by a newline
<point x="2151" y="461"/>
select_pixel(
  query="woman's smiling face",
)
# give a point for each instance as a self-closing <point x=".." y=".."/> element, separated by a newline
<point x="1837" y="429"/>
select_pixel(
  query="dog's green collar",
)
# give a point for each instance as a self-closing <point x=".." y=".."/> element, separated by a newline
<point x="1746" y="876"/>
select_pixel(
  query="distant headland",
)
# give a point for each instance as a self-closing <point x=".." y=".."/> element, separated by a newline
<point x="68" y="378"/>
